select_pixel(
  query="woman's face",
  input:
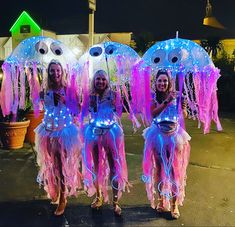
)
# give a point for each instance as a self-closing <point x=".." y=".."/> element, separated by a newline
<point x="55" y="73"/>
<point x="100" y="82"/>
<point x="162" y="83"/>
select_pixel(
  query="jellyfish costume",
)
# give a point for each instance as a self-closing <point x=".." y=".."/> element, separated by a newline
<point x="167" y="149"/>
<point x="103" y="135"/>
<point x="58" y="134"/>
<point x="25" y="69"/>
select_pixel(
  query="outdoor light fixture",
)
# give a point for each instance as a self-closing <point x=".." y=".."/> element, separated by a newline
<point x="209" y="19"/>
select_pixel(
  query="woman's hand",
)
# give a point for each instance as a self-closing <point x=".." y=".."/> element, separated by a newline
<point x="58" y="98"/>
<point x="172" y="95"/>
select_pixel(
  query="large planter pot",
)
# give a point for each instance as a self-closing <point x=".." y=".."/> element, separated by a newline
<point x="34" y="122"/>
<point x="13" y="133"/>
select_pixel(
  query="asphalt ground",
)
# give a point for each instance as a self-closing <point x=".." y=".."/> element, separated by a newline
<point x="210" y="190"/>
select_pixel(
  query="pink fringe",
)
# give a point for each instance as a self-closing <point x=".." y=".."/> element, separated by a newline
<point x="132" y="116"/>
<point x="112" y="141"/>
<point x="67" y="143"/>
<point x="141" y="93"/>
<point x="72" y="93"/>
<point x="22" y="87"/>
<point x="35" y="86"/>
<point x="7" y="90"/>
<point x="118" y="101"/>
<point x="85" y="90"/>
<point x="15" y="75"/>
<point x="206" y="95"/>
<point x="154" y="169"/>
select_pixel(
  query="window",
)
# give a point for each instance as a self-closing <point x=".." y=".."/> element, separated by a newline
<point x="25" y="29"/>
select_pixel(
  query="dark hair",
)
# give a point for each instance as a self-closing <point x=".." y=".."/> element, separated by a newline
<point x="159" y="95"/>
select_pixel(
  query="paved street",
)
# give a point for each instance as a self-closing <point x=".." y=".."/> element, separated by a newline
<point x="210" y="199"/>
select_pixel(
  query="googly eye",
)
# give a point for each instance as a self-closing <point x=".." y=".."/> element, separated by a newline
<point x="41" y="47"/>
<point x="95" y="51"/>
<point x="56" y="49"/>
<point x="158" y="56"/>
<point x="110" y="49"/>
<point x="175" y="56"/>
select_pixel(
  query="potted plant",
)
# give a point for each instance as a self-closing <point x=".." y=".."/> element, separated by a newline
<point x="12" y="132"/>
<point x="13" y="120"/>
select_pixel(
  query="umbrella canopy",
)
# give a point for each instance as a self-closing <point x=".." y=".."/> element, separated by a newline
<point x="115" y="58"/>
<point x="41" y="50"/>
<point x="178" y="55"/>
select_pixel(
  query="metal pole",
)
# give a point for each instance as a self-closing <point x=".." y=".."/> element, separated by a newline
<point x="91" y="27"/>
<point x="92" y="9"/>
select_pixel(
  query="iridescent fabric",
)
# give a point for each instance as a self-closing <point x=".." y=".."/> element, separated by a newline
<point x="166" y="156"/>
<point x="104" y="140"/>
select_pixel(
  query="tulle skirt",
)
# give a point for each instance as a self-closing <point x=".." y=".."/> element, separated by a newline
<point x="165" y="161"/>
<point x="58" y="154"/>
<point x="108" y="142"/>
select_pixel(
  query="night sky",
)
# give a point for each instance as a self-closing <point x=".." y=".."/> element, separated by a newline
<point x="159" y="17"/>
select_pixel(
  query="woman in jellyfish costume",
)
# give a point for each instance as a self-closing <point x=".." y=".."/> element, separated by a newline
<point x="104" y="154"/>
<point x="183" y="65"/>
<point x="57" y="141"/>
<point x="166" y="148"/>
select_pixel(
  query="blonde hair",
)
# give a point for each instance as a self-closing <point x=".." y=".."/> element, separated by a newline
<point x="99" y="72"/>
<point x="63" y="79"/>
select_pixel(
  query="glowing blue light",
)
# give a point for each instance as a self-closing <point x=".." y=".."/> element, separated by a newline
<point x="145" y="179"/>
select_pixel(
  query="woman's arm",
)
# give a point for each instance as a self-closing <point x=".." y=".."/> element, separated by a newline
<point x="184" y="108"/>
<point x="156" y="109"/>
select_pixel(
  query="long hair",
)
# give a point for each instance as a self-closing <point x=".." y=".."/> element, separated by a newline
<point x="99" y="72"/>
<point x="160" y="96"/>
<point x="63" y="79"/>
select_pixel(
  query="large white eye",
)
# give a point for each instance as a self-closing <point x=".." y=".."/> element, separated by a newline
<point x="41" y="47"/>
<point x="175" y="56"/>
<point x="95" y="51"/>
<point x="158" y="56"/>
<point x="110" y="49"/>
<point x="56" y="49"/>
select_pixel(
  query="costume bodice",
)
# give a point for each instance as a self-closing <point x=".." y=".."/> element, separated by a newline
<point x="102" y="110"/>
<point x="170" y="113"/>
<point x="58" y="116"/>
<point x="168" y="119"/>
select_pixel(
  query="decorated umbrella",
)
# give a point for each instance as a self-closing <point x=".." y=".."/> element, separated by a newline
<point x="193" y="73"/>
<point x="117" y="60"/>
<point x="29" y="60"/>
